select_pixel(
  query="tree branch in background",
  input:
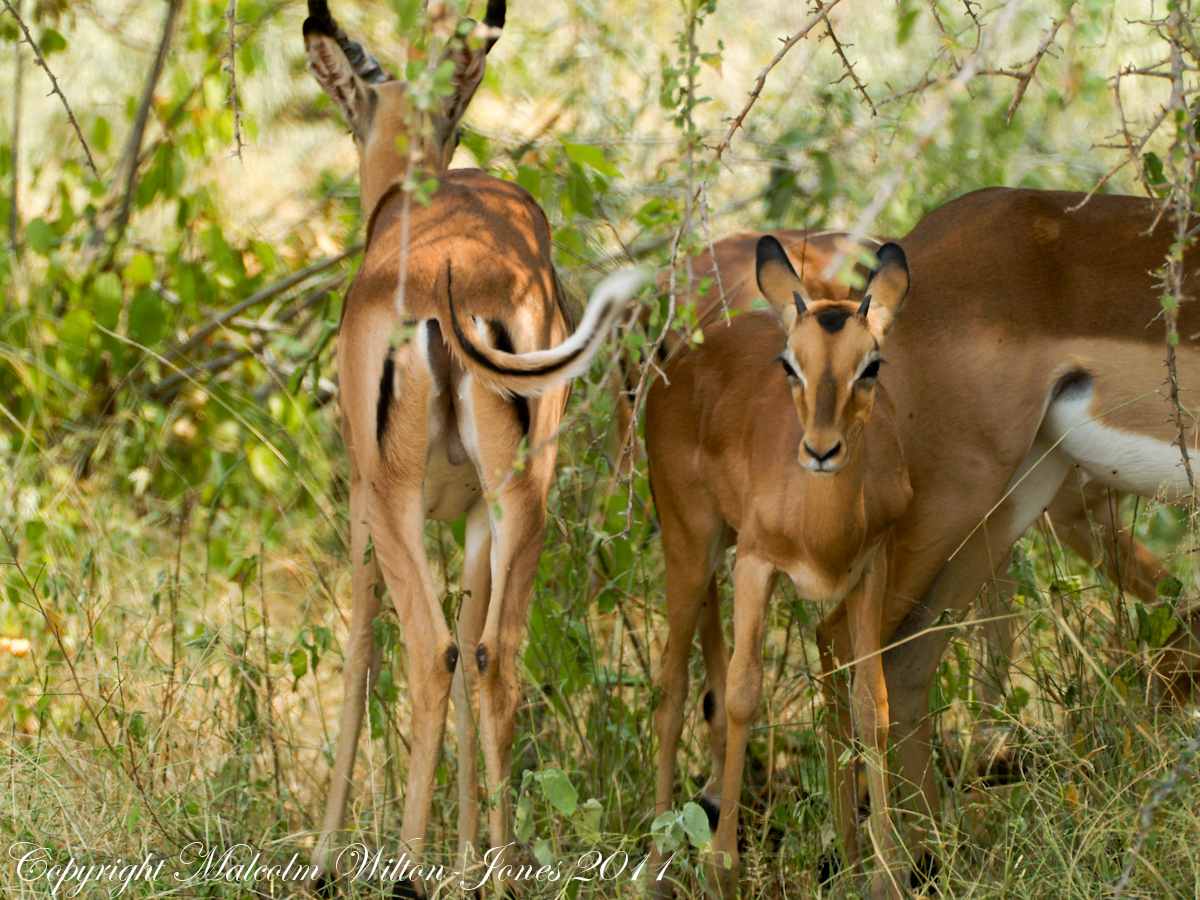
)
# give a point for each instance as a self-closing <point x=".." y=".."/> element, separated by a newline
<point x="231" y="24"/>
<point x="1032" y="68"/>
<point x="14" y="212"/>
<point x="840" y="51"/>
<point x="924" y="133"/>
<point x="265" y="294"/>
<point x="788" y="44"/>
<point x="55" y="89"/>
<point x="110" y="227"/>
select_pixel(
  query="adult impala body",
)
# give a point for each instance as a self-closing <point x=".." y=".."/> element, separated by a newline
<point x="444" y="370"/>
<point x="770" y="435"/>
<point x="1032" y="346"/>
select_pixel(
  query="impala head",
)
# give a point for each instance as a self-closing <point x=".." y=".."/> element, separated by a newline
<point x="832" y="355"/>
<point x="389" y="132"/>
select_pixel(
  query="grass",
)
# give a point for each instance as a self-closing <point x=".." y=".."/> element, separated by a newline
<point x="172" y="575"/>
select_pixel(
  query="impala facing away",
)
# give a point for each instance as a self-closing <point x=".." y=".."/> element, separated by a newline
<point x="810" y="494"/>
<point x="444" y="370"/>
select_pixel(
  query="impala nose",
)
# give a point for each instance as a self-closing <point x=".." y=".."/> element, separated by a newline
<point x="820" y="457"/>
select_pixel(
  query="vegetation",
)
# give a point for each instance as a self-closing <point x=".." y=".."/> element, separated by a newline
<point x="172" y="486"/>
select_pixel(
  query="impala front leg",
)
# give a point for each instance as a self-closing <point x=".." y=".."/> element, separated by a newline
<point x="752" y="583"/>
<point x="864" y="606"/>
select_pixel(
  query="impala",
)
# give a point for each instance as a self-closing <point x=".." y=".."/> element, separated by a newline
<point x="444" y="371"/>
<point x="772" y="436"/>
<point x="1032" y="348"/>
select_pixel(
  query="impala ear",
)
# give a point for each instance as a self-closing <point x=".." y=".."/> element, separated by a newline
<point x="343" y="69"/>
<point x="467" y="50"/>
<point x="886" y="289"/>
<point x="779" y="282"/>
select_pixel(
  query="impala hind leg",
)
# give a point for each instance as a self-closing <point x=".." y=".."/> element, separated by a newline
<point x="476" y="585"/>
<point x="912" y="662"/>
<point x="716" y="668"/>
<point x="753" y="580"/>
<point x="359" y="673"/>
<point x="397" y="527"/>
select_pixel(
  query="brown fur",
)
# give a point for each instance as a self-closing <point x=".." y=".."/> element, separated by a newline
<point x="431" y="432"/>
<point x="731" y="464"/>
<point x="1011" y="291"/>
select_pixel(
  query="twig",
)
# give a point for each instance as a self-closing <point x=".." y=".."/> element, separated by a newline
<point x="761" y="81"/>
<point x="55" y="89"/>
<point x="126" y="175"/>
<point x="14" y="214"/>
<point x="840" y="52"/>
<point x="231" y="23"/>
<point x="1183" y="149"/>
<point x="924" y="135"/>
<point x="1028" y="76"/>
<point x="263" y="295"/>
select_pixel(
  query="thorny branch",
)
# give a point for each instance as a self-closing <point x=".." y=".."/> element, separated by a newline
<point x="55" y="89"/>
<point x="840" y="51"/>
<point x="788" y="44"/>
<point x="231" y="23"/>
<point x="924" y="133"/>
<point x="1027" y="77"/>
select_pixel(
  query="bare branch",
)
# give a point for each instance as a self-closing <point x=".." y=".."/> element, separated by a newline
<point x="126" y="175"/>
<point x="924" y="133"/>
<point x="263" y="295"/>
<point x="840" y="51"/>
<point x="1027" y="77"/>
<point x="55" y="89"/>
<point x="231" y="24"/>
<point x="759" y="82"/>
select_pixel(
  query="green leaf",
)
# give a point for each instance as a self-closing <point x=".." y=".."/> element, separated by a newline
<point x="559" y="791"/>
<point x="299" y="661"/>
<point x="52" y="42"/>
<point x="695" y="824"/>
<point x="41" y="237"/>
<point x="140" y="270"/>
<point x="146" y="317"/>
<point x="101" y="134"/>
<point x="589" y="155"/>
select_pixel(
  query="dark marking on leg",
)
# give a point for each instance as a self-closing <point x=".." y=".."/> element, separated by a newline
<point x="712" y="809"/>
<point x="710" y="706"/>
<point x="387" y="388"/>
<point x="503" y="341"/>
<point x="451" y="658"/>
<point x="481" y="658"/>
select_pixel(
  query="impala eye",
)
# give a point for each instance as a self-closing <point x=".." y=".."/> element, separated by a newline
<point x="787" y="367"/>
<point x="871" y="372"/>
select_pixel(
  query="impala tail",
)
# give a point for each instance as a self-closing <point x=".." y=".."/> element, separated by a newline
<point x="530" y="374"/>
